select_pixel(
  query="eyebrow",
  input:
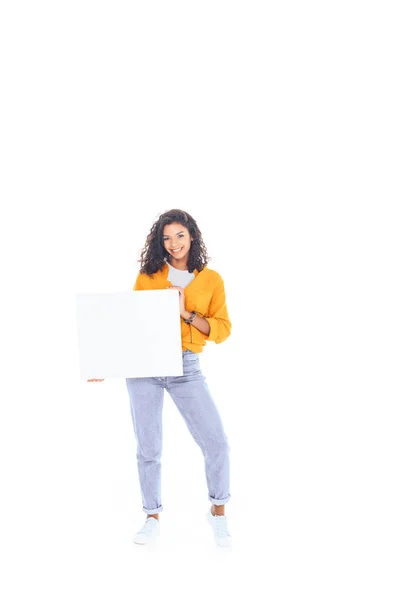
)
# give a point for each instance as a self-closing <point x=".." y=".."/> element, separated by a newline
<point x="165" y="235"/>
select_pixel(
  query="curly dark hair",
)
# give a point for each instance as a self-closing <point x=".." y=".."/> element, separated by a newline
<point x="153" y="256"/>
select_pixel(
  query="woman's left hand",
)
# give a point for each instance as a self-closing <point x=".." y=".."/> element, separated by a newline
<point x="181" y="291"/>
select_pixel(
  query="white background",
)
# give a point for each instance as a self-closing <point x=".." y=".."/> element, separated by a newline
<point x="276" y="125"/>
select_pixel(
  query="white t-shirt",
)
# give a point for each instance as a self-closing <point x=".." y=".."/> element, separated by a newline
<point x="178" y="277"/>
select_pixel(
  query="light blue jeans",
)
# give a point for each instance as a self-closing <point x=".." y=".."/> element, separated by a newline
<point x="192" y="397"/>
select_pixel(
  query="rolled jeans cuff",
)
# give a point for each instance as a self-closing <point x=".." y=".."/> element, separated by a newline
<point x="219" y="501"/>
<point x="152" y="511"/>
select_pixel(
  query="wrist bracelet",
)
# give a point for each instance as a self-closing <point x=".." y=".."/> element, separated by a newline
<point x="190" y="319"/>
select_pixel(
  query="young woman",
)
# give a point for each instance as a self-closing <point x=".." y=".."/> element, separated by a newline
<point x="174" y="256"/>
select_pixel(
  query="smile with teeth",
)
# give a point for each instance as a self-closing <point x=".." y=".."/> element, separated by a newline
<point x="178" y="250"/>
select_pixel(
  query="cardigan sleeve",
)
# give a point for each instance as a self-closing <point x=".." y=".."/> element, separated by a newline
<point x="138" y="283"/>
<point x="218" y="318"/>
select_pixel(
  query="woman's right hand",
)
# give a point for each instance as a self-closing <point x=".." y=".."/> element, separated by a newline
<point x="95" y="379"/>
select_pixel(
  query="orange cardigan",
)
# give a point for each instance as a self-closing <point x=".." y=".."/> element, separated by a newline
<point x="206" y="295"/>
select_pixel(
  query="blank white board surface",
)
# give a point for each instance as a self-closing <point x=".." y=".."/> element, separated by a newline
<point x="129" y="334"/>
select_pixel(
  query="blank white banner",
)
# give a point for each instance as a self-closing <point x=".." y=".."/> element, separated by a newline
<point x="129" y="334"/>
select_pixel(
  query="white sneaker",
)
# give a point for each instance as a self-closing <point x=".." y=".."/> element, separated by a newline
<point x="149" y="531"/>
<point x="220" y="528"/>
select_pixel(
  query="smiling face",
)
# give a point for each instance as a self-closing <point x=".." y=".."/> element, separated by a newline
<point x="177" y="242"/>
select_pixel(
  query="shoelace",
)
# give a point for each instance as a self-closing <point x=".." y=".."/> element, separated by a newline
<point x="148" y="526"/>
<point x="221" y="528"/>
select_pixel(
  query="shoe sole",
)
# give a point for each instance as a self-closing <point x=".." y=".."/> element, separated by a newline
<point x="148" y="541"/>
<point x="151" y="541"/>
